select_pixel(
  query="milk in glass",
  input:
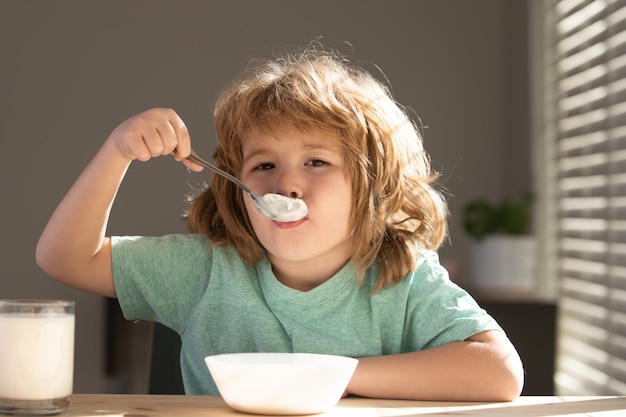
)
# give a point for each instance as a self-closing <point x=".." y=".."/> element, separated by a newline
<point x="36" y="360"/>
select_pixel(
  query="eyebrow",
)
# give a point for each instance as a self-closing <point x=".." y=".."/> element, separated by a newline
<point x="322" y="147"/>
<point x="264" y="150"/>
<point x="255" y="152"/>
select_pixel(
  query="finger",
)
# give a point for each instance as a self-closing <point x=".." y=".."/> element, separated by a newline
<point x="168" y="138"/>
<point x="158" y="134"/>
<point x="139" y="151"/>
<point x="140" y="147"/>
<point x="181" y="133"/>
<point x="192" y="165"/>
<point x="153" y="141"/>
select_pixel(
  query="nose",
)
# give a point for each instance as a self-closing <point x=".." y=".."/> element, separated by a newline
<point x="288" y="183"/>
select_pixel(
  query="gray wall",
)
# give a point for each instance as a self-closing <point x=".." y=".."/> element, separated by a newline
<point x="71" y="71"/>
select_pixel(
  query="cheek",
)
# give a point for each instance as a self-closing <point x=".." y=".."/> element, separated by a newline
<point x="338" y="204"/>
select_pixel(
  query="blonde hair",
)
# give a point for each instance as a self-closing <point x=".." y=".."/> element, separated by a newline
<point x="397" y="210"/>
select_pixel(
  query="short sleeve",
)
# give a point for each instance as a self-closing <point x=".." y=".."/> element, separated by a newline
<point x="439" y="311"/>
<point x="161" y="278"/>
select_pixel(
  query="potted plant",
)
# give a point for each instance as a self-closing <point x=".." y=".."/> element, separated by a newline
<point x="502" y="251"/>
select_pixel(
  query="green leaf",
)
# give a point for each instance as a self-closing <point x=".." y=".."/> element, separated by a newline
<point x="511" y="216"/>
<point x="479" y="218"/>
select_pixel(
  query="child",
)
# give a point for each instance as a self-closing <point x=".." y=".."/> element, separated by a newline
<point x="357" y="277"/>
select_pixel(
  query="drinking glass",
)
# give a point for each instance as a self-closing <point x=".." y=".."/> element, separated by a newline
<point x="36" y="356"/>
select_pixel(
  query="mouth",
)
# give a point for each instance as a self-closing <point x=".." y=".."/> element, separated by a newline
<point x="290" y="225"/>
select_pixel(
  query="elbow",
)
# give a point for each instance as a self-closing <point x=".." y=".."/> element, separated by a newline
<point x="505" y="387"/>
<point x="516" y="384"/>
<point x="510" y="390"/>
<point x="515" y="378"/>
<point x="504" y="377"/>
<point x="509" y="385"/>
<point x="46" y="260"/>
<point x="41" y="257"/>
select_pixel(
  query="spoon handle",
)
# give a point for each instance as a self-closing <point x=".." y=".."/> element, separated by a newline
<point x="202" y="162"/>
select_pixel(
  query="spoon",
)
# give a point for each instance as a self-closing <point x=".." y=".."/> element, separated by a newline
<point x="275" y="206"/>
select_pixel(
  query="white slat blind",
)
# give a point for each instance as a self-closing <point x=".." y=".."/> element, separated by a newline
<point x="586" y="64"/>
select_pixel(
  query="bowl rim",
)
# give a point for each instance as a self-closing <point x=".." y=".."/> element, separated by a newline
<point x="333" y="359"/>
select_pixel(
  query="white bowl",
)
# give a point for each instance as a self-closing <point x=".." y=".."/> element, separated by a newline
<point x="281" y="383"/>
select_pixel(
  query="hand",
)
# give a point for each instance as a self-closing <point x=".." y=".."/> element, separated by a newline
<point x="153" y="133"/>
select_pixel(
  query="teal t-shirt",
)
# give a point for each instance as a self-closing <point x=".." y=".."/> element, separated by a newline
<point x="218" y="304"/>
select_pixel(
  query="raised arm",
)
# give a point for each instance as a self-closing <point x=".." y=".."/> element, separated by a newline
<point x="485" y="367"/>
<point x="73" y="248"/>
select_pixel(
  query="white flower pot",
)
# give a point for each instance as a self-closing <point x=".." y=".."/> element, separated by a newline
<point x="503" y="262"/>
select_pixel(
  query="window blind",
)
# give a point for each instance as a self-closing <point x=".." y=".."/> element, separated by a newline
<point x="585" y="147"/>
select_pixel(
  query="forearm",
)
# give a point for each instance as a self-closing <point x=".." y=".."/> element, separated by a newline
<point x="72" y="241"/>
<point x="486" y="368"/>
<point x="73" y="248"/>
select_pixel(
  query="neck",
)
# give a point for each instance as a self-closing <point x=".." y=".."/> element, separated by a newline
<point x="305" y="277"/>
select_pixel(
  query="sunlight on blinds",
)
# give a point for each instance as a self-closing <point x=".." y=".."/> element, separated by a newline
<point x="588" y="68"/>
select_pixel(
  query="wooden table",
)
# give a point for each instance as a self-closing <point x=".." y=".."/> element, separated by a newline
<point x="106" y="405"/>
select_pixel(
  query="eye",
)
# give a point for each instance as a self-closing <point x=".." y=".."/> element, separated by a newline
<point x="316" y="163"/>
<point x="264" y="166"/>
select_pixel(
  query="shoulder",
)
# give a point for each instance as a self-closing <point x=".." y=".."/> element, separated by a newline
<point x="428" y="282"/>
<point x="161" y="251"/>
<point x="428" y="271"/>
<point x="428" y="267"/>
<point x="161" y="241"/>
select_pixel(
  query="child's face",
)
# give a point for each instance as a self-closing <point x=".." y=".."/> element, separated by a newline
<point x="308" y="165"/>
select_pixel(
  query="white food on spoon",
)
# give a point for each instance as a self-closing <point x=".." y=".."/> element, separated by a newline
<point x="284" y="209"/>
